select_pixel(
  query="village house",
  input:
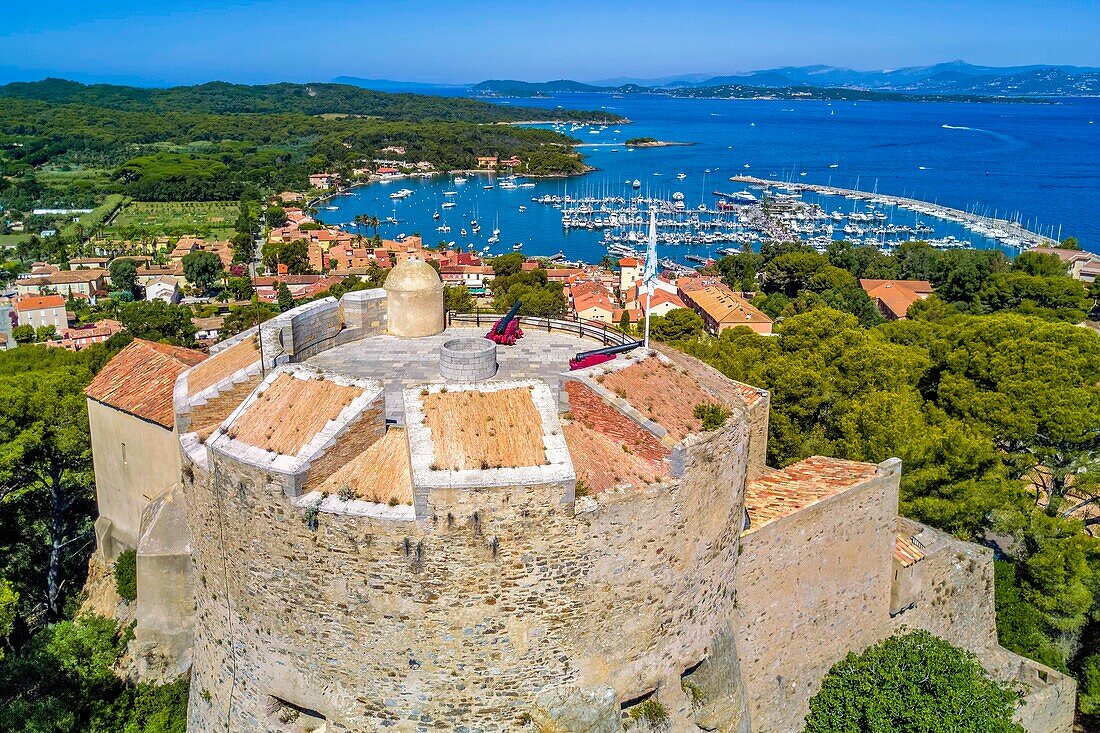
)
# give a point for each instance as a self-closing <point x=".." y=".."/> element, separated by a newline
<point x="67" y="283"/>
<point x="630" y="272"/>
<point x="660" y="303"/>
<point x="590" y="301"/>
<point x="41" y="310"/>
<point x="487" y="161"/>
<point x="88" y="263"/>
<point x="720" y="307"/>
<point x="148" y="273"/>
<point x="290" y="197"/>
<point x="1080" y="265"/>
<point x="80" y="337"/>
<point x="207" y="330"/>
<point x="324" y="180"/>
<point x="893" y="297"/>
<point x="163" y="288"/>
<point x="300" y="286"/>
<point x="190" y="245"/>
<point x="474" y="278"/>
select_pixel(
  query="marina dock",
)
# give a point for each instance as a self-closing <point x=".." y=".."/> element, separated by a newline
<point x="1009" y="232"/>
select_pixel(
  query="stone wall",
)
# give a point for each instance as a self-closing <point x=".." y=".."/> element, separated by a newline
<point x="301" y="332"/>
<point x="955" y="596"/>
<point x="166" y="591"/>
<point x="812" y="587"/>
<point x="363" y="313"/>
<point x="459" y="622"/>
<point x="955" y="601"/>
<point x="135" y="460"/>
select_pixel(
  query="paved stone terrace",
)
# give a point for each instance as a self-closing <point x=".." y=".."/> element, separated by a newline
<point x="400" y="363"/>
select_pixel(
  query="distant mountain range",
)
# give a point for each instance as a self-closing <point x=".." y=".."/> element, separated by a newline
<point x="951" y="78"/>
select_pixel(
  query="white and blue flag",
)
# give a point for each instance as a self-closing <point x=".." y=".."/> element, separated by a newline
<point x="649" y="274"/>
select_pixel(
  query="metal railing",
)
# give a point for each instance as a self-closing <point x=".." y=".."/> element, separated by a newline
<point x="602" y="332"/>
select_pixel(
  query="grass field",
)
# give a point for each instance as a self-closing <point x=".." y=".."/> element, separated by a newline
<point x="210" y="219"/>
<point x="10" y="240"/>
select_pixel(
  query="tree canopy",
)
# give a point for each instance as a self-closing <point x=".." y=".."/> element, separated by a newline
<point x="914" y="683"/>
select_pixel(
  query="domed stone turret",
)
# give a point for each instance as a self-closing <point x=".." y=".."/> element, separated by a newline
<point x="414" y="295"/>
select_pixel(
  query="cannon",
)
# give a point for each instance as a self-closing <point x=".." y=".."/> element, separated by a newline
<point x="586" y="359"/>
<point x="506" y="331"/>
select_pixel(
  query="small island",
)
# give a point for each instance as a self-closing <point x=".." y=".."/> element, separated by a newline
<point x="651" y="142"/>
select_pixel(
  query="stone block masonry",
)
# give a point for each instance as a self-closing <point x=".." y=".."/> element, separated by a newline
<point x="458" y="623"/>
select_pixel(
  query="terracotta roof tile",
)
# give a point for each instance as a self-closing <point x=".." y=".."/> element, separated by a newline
<point x="290" y="412"/>
<point x="141" y="378"/>
<point x="782" y="493"/>
<point x="36" y="302"/>
<point x="223" y="365"/>
<point x="907" y="553"/>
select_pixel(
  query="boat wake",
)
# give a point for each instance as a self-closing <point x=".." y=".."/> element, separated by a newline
<point x="991" y="133"/>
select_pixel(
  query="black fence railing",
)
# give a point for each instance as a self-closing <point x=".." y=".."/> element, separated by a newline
<point x="602" y="332"/>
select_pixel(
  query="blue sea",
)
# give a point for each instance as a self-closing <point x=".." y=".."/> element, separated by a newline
<point x="1039" y="163"/>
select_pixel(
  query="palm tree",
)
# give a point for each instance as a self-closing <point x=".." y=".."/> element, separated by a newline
<point x="358" y="221"/>
<point x="372" y="222"/>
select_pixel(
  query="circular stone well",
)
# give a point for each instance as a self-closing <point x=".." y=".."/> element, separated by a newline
<point x="468" y="359"/>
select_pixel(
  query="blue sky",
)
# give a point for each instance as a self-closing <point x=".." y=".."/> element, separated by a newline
<point x="161" y="41"/>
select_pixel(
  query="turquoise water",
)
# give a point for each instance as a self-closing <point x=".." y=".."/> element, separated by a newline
<point x="1038" y="162"/>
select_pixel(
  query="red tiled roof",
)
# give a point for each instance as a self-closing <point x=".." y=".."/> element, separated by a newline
<point x="37" y="302"/>
<point x="782" y="493"/>
<point x="896" y="295"/>
<point x="141" y="378"/>
<point x="907" y="553"/>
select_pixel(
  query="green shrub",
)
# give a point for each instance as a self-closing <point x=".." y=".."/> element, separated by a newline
<point x="909" y="684"/>
<point x="126" y="575"/>
<point x="650" y="711"/>
<point x="713" y="415"/>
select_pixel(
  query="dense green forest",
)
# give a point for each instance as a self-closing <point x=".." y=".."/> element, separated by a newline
<point x="220" y="98"/>
<point x="986" y="382"/>
<point x="57" y="667"/>
<point x="64" y="144"/>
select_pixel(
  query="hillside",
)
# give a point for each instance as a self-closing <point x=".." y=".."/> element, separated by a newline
<point x="728" y="88"/>
<point x="949" y="78"/>
<point x="306" y="99"/>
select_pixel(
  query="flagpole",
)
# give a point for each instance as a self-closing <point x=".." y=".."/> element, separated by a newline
<point x="650" y="272"/>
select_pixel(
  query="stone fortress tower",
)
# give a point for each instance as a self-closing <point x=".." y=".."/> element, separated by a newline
<point x="378" y="547"/>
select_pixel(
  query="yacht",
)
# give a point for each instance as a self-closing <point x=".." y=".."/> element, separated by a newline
<point x="460" y="179"/>
<point x="517" y="246"/>
<point x="435" y="215"/>
<point x="681" y="176"/>
<point x="493" y="240"/>
<point x="450" y="193"/>
<point x="462" y="231"/>
<point x="449" y="204"/>
<point x="402" y="194"/>
<point x="636" y="184"/>
<point x="443" y="228"/>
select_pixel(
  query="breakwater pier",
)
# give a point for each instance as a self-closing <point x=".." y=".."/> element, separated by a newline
<point x="1008" y="232"/>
